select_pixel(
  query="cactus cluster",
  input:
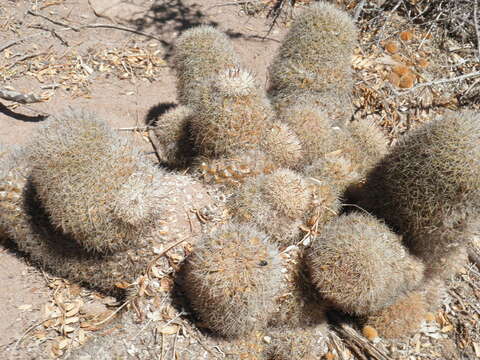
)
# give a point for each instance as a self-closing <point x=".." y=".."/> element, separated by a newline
<point x="88" y="205"/>
<point x="93" y="184"/>
<point x="85" y="203"/>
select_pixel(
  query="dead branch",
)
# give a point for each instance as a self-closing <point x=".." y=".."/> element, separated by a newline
<point x="135" y="128"/>
<point x="56" y="22"/>
<point x="275" y="11"/>
<point x="23" y="58"/>
<point x="52" y="32"/>
<point x="439" y="82"/>
<point x="11" y="95"/>
<point x="475" y="24"/>
<point x="15" y="42"/>
<point x="155" y="144"/>
<point x="380" y="32"/>
<point x="97" y="14"/>
<point x="10" y="44"/>
<point x="357" y="343"/>
<point x="89" y="26"/>
<point x="236" y="3"/>
<point x="358" y="10"/>
<point x="119" y="27"/>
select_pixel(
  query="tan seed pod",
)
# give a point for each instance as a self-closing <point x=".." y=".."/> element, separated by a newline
<point x="406" y="35"/>
<point x="423" y="63"/>
<point x="407" y="81"/>
<point x="391" y="47"/>
<point x="401" y="70"/>
<point x="394" y="79"/>
<point x="370" y="332"/>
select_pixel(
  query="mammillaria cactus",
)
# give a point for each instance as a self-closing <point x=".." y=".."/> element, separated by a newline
<point x="276" y="203"/>
<point x="283" y="146"/>
<point x="316" y="132"/>
<point x="231" y="279"/>
<point x="232" y="171"/>
<point x="87" y="204"/>
<point x="297" y="302"/>
<point x="428" y="187"/>
<point x="231" y="115"/>
<point x="401" y="318"/>
<point x="29" y="224"/>
<point x="313" y="63"/>
<point x="173" y="136"/>
<point x="94" y="185"/>
<point x="199" y="54"/>
<point x="360" y="265"/>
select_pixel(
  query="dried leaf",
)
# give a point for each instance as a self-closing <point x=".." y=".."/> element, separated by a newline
<point x="72" y="320"/>
<point x="166" y="284"/>
<point x="476" y="347"/>
<point x="122" y="285"/>
<point x="81" y="336"/>
<point x="168" y="330"/>
<point x="62" y="344"/>
<point x="41" y="334"/>
<point x="447" y="328"/>
<point x="68" y="328"/>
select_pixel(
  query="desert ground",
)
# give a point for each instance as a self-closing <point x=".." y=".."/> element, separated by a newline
<point x="113" y="57"/>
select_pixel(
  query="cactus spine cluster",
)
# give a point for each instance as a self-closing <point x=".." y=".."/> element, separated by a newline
<point x="401" y="318"/>
<point x="173" y="135"/>
<point x="93" y="184"/>
<point x="231" y="115"/>
<point x="275" y="202"/>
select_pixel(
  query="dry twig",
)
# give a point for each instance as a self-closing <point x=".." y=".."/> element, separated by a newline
<point x="56" y="22"/>
<point x="155" y="144"/>
<point x="276" y="11"/>
<point x="15" y="96"/>
<point x="357" y="343"/>
<point x="98" y="14"/>
<point x="439" y="82"/>
<point x="119" y="27"/>
<point x="23" y="58"/>
<point x="10" y="44"/>
<point x="475" y="23"/>
<point x="358" y="10"/>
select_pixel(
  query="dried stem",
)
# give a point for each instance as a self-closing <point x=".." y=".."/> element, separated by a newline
<point x="15" y="96"/>
<point x="438" y="82"/>
<point x="475" y="22"/>
<point x="56" y="22"/>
